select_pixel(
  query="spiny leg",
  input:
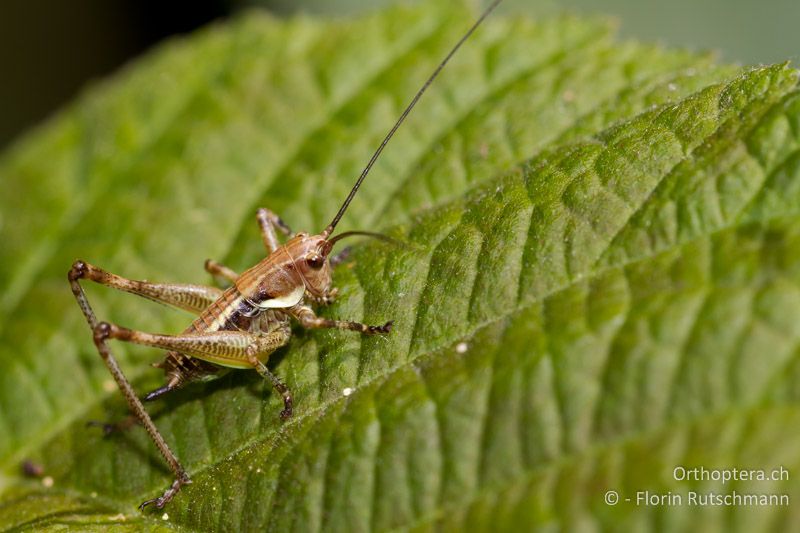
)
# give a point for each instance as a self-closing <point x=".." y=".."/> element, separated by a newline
<point x="279" y="386"/>
<point x="189" y="297"/>
<point x="268" y="221"/>
<point x="101" y="335"/>
<point x="129" y="421"/>
<point x="305" y="315"/>
<point x="100" y="331"/>
<point x="180" y="369"/>
<point x="109" y="428"/>
<point x="193" y="298"/>
<point x="327" y="299"/>
<point x="228" y="348"/>
<point x="159" y="392"/>
<point x="217" y="269"/>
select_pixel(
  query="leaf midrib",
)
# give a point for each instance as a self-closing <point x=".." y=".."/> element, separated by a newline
<point x="519" y="307"/>
<point x="281" y="432"/>
<point x="569" y="457"/>
<point x="522" y="305"/>
<point x="563" y="460"/>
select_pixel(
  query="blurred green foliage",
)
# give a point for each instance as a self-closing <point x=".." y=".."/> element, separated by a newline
<point x="744" y="31"/>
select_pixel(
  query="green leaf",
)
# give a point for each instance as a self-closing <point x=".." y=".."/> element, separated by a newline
<point x="601" y="282"/>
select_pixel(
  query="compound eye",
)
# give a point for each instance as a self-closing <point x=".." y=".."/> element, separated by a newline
<point x="315" y="261"/>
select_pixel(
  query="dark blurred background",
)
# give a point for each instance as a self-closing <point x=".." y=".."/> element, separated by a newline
<point x="49" y="50"/>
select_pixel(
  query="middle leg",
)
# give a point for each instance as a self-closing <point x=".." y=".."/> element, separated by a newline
<point x="218" y="269"/>
<point x="193" y="298"/>
<point x="268" y="221"/>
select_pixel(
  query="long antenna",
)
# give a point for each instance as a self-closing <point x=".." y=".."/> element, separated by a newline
<point x="403" y="116"/>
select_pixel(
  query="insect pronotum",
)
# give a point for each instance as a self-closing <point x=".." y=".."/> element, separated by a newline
<point x="241" y="326"/>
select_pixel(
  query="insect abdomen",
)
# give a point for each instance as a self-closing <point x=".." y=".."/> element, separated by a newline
<point x="229" y="312"/>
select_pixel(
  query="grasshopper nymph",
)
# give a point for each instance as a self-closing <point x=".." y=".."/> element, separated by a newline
<point x="241" y="326"/>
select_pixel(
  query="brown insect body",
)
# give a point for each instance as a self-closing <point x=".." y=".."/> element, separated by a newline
<point x="241" y="326"/>
<point x="258" y="301"/>
<point x="301" y="262"/>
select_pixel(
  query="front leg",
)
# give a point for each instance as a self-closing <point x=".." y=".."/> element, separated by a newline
<point x="327" y="299"/>
<point x="305" y="315"/>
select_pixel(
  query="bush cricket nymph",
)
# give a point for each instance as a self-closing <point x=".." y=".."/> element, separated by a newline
<point x="241" y="326"/>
